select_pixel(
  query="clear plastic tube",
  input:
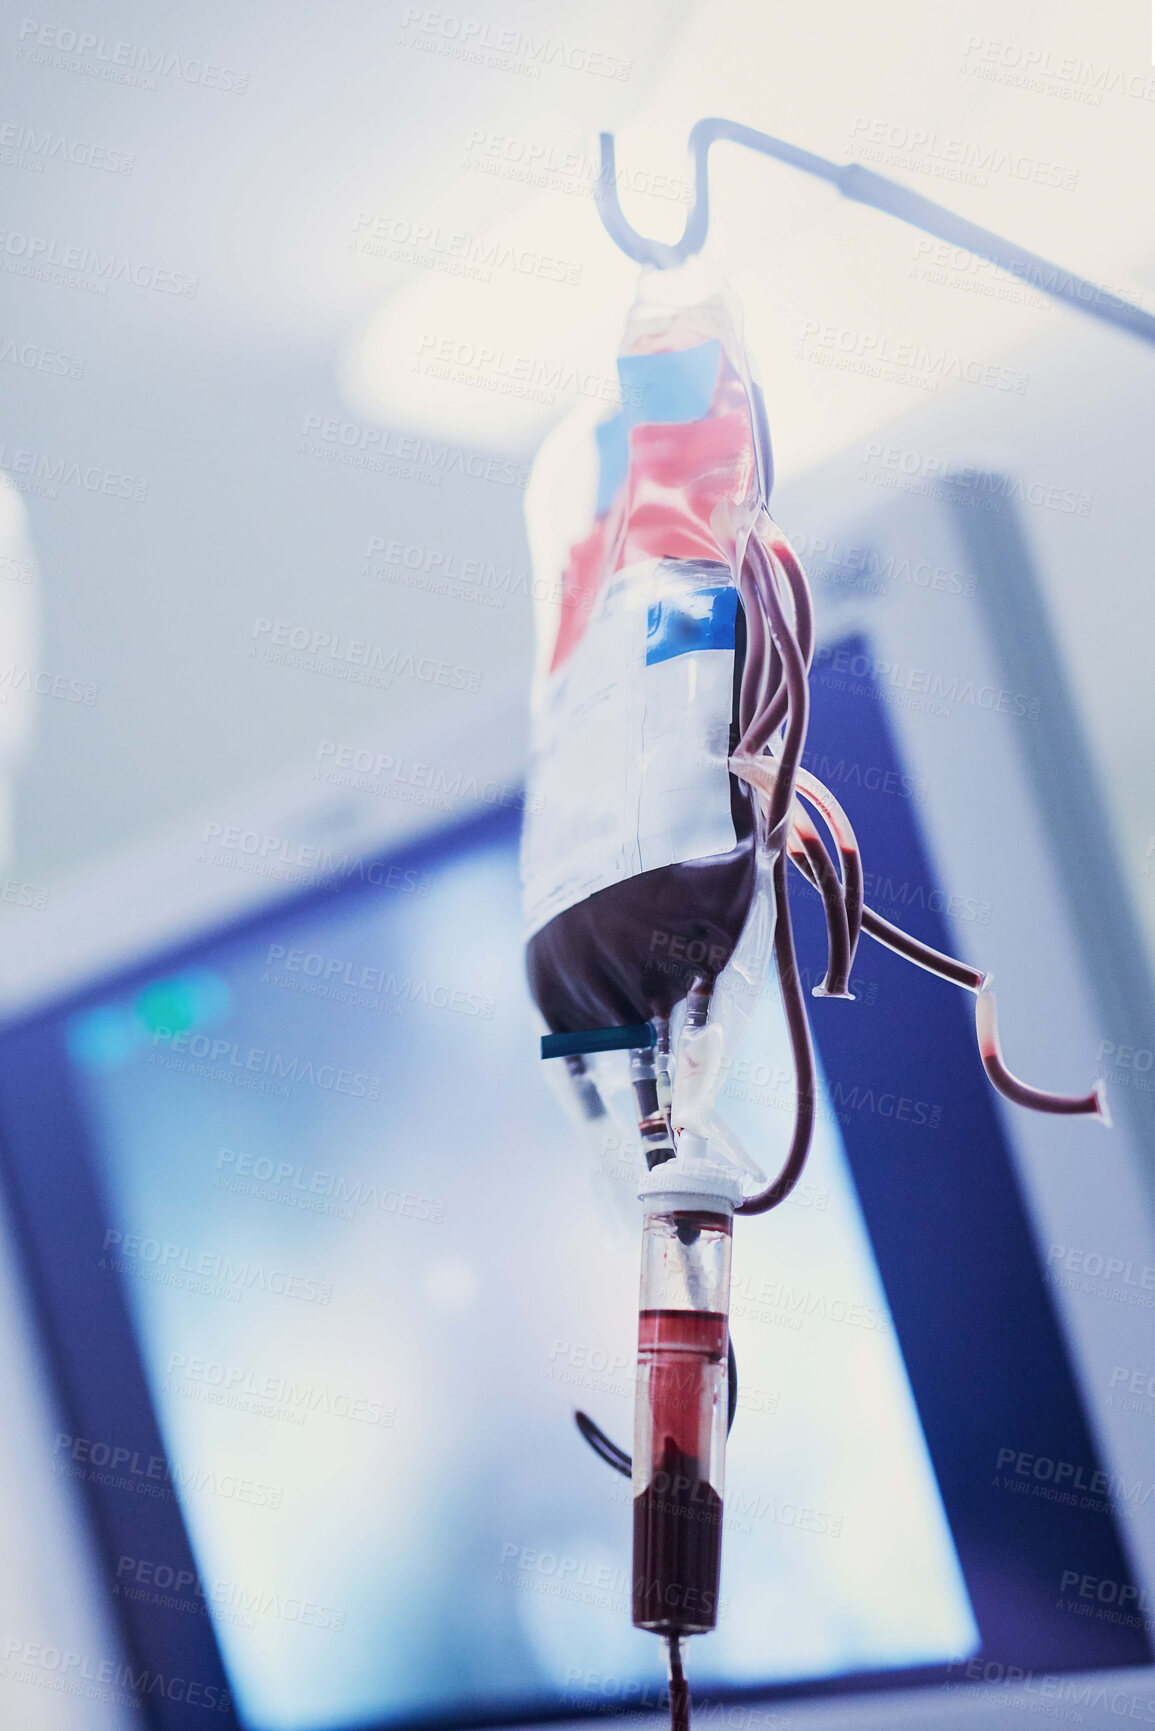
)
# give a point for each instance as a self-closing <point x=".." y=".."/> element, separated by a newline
<point x="680" y="1415"/>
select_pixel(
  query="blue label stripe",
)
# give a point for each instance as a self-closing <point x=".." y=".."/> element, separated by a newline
<point x="675" y="385"/>
<point x="684" y="624"/>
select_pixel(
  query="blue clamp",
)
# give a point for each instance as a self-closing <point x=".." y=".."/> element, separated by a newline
<point x="639" y="1035"/>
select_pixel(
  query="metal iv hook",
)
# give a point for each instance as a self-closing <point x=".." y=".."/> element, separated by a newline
<point x="863" y="186"/>
<point x="660" y="254"/>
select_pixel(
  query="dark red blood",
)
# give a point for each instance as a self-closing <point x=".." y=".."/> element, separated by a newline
<point x="632" y="951"/>
<point x="677" y="1549"/>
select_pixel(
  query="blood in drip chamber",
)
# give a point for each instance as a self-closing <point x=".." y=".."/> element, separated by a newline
<point x="680" y="1417"/>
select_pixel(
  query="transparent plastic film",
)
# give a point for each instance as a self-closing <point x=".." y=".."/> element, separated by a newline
<point x="706" y="1049"/>
<point x="649" y="890"/>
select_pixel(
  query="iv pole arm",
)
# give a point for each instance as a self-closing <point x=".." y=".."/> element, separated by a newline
<point x="863" y="186"/>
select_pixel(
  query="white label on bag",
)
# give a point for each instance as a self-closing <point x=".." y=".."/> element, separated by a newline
<point x="629" y="765"/>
